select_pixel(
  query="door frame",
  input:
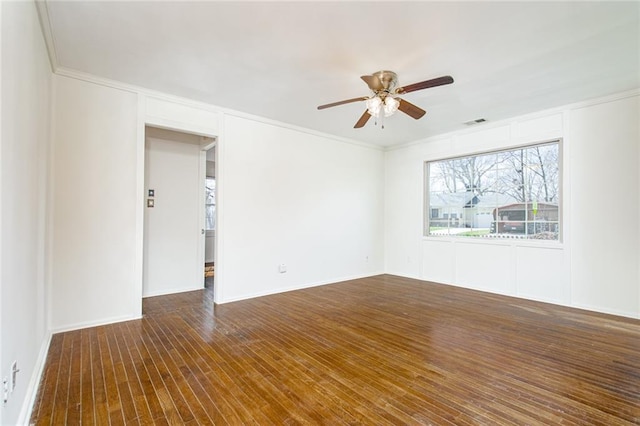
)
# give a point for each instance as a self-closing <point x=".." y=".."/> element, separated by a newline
<point x="170" y="120"/>
<point x="205" y="146"/>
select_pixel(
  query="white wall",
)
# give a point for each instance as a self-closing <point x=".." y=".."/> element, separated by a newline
<point x="596" y="264"/>
<point x="25" y="89"/>
<point x="94" y="216"/>
<point x="285" y="195"/>
<point x="173" y="243"/>
<point x="295" y="198"/>
<point x="604" y="171"/>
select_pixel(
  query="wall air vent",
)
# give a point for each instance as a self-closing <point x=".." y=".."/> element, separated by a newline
<point x="476" y="121"/>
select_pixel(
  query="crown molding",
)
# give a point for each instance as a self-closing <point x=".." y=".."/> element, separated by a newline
<point x="47" y="34"/>
<point x="542" y="113"/>
<point x="90" y="78"/>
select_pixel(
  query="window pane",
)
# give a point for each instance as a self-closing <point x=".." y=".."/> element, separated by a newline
<point x="504" y="194"/>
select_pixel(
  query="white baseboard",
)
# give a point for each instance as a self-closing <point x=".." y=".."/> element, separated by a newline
<point x="34" y="382"/>
<point x="106" y="321"/>
<point x="299" y="287"/>
<point x="173" y="291"/>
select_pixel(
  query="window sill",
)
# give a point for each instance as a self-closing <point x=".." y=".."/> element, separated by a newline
<point x="514" y="242"/>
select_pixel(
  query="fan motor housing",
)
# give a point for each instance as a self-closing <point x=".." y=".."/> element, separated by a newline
<point x="389" y="80"/>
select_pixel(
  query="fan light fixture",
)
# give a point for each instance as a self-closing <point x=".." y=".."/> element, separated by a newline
<point x="383" y="102"/>
<point x="375" y="104"/>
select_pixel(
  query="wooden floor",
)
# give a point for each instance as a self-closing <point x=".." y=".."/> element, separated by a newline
<point x="381" y="350"/>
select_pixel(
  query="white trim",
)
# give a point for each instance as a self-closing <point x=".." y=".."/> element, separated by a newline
<point x="177" y="126"/>
<point x="602" y="310"/>
<point x="565" y="193"/>
<point x="175" y="290"/>
<point x="301" y="287"/>
<point x="50" y="206"/>
<point x="509" y="242"/>
<point x="47" y="34"/>
<point x="89" y="78"/>
<point x="585" y="307"/>
<point x="65" y="72"/>
<point x="524" y="117"/>
<point x="144" y="120"/>
<point x="88" y="324"/>
<point x="219" y="251"/>
<point x="213" y="108"/>
<point x="140" y="206"/>
<point x="510" y="145"/>
<point x="202" y="235"/>
<point x="305" y="130"/>
<point x="493" y="238"/>
<point x="34" y="382"/>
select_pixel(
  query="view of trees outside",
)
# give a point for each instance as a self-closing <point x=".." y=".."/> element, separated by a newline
<point x="512" y="193"/>
<point x="210" y="203"/>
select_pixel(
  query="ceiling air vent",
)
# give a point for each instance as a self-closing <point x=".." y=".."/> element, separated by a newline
<point x="476" y="121"/>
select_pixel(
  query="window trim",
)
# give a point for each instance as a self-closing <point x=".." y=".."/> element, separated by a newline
<point x="426" y="208"/>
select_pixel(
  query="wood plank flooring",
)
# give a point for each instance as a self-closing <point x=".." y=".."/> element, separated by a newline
<point x="380" y="350"/>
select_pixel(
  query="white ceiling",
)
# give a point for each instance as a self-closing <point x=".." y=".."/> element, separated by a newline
<point x="280" y="60"/>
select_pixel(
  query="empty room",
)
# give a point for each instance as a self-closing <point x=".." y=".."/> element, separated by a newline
<point x="310" y="212"/>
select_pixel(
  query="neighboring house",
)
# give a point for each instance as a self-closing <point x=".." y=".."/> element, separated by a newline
<point x="525" y="218"/>
<point x="465" y="209"/>
<point x="451" y="210"/>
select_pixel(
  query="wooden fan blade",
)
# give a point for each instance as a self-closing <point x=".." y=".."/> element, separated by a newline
<point x="363" y="120"/>
<point x="447" y="79"/>
<point x="347" y="101"/>
<point x="373" y="82"/>
<point x="410" y="109"/>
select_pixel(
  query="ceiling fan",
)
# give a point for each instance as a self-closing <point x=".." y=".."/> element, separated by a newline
<point x="384" y="101"/>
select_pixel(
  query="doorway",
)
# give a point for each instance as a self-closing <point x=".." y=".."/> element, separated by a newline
<point x="210" y="218"/>
<point x="174" y="235"/>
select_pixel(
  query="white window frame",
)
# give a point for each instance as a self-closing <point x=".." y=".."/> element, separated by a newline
<point x="428" y="208"/>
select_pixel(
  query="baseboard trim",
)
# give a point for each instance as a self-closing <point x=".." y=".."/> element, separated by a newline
<point x="299" y="287"/>
<point x="34" y="382"/>
<point x="173" y="291"/>
<point x="88" y="324"/>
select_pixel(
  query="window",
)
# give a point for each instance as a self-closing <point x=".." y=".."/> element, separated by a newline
<point x="502" y="194"/>
<point x="210" y="204"/>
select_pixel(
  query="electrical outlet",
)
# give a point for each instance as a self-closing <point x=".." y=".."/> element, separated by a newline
<point x="282" y="268"/>
<point x="5" y="390"/>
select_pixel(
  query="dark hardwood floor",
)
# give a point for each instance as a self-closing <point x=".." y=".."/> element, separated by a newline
<point x="381" y="350"/>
